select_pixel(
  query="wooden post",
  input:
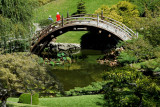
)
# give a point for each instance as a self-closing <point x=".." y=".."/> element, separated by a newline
<point x="67" y="14"/>
<point x="31" y="97"/>
<point x="62" y="20"/>
<point x="102" y="14"/>
<point x="67" y="17"/>
<point x="137" y="34"/>
<point x="97" y="19"/>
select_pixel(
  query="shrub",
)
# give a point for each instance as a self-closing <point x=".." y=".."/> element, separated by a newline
<point x="130" y="88"/>
<point x="124" y="58"/>
<point x="93" y="88"/>
<point x="45" y="22"/>
<point x="124" y="12"/>
<point x="139" y="48"/>
<point x="151" y="65"/>
<point x="26" y="98"/>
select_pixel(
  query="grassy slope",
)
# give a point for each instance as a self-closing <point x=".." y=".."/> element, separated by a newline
<point x="76" y="101"/>
<point x="63" y="6"/>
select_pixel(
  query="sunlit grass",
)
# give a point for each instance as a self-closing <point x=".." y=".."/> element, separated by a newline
<point x="76" y="101"/>
<point x="71" y="37"/>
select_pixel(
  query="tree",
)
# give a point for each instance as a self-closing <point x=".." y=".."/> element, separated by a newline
<point x="127" y="87"/>
<point x="81" y="9"/>
<point x="19" y="73"/>
<point x="152" y="32"/>
<point x="18" y="10"/>
<point x="148" y="8"/>
<point x="124" y="12"/>
<point x="15" y="19"/>
<point x="139" y="49"/>
<point x="150" y="28"/>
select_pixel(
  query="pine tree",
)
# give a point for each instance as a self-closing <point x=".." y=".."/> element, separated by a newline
<point x="81" y="8"/>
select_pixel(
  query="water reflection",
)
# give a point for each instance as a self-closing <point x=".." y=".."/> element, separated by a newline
<point x="81" y="73"/>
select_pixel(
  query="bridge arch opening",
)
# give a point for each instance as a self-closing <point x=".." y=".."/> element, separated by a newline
<point x="96" y="38"/>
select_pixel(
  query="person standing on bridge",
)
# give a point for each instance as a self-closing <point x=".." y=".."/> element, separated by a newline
<point x="49" y="18"/>
<point x="58" y="17"/>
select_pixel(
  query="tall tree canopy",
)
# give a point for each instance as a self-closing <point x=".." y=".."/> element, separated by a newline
<point x="17" y="10"/>
<point x="20" y="72"/>
<point x="15" y="19"/>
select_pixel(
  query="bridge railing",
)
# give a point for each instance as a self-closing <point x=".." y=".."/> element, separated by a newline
<point x="81" y="18"/>
<point x="110" y="20"/>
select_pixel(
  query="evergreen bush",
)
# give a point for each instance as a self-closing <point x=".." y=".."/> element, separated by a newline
<point x="26" y="99"/>
<point x="81" y="9"/>
<point x="124" y="58"/>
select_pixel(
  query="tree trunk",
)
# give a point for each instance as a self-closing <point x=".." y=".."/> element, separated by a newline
<point x="3" y="103"/>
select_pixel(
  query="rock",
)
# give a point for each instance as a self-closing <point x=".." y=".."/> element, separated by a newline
<point x="65" y="46"/>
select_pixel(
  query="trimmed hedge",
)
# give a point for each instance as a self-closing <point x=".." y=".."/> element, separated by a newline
<point x="26" y="98"/>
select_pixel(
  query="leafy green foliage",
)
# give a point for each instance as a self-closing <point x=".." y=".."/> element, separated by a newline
<point x="20" y="72"/>
<point x="152" y="32"/>
<point x="151" y="65"/>
<point x="26" y="98"/>
<point x="45" y="22"/>
<point x="125" y="58"/>
<point x="150" y="28"/>
<point x="123" y="11"/>
<point x="15" y="21"/>
<point x="148" y="8"/>
<point x="138" y="49"/>
<point x="130" y="88"/>
<point x="93" y="88"/>
<point x="17" y="10"/>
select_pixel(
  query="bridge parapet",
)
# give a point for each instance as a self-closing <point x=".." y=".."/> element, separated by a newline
<point x="111" y="25"/>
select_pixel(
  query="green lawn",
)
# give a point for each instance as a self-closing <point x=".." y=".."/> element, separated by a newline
<point x="63" y="6"/>
<point x="71" y="37"/>
<point x="76" y="101"/>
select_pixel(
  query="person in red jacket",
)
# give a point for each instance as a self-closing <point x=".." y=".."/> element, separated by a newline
<point x="58" y="17"/>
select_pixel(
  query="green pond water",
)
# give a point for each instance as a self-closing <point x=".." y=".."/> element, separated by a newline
<point x="82" y="72"/>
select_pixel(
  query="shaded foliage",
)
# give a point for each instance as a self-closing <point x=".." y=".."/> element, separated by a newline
<point x="18" y="10"/>
<point x="148" y="8"/>
<point x="140" y="49"/>
<point x="125" y="58"/>
<point x="151" y="65"/>
<point x="15" y="20"/>
<point x="130" y="88"/>
<point x="20" y="72"/>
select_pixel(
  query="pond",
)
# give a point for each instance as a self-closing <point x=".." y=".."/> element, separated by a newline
<point x="82" y="72"/>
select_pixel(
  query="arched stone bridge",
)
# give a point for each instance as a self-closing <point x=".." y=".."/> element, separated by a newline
<point x="87" y="22"/>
